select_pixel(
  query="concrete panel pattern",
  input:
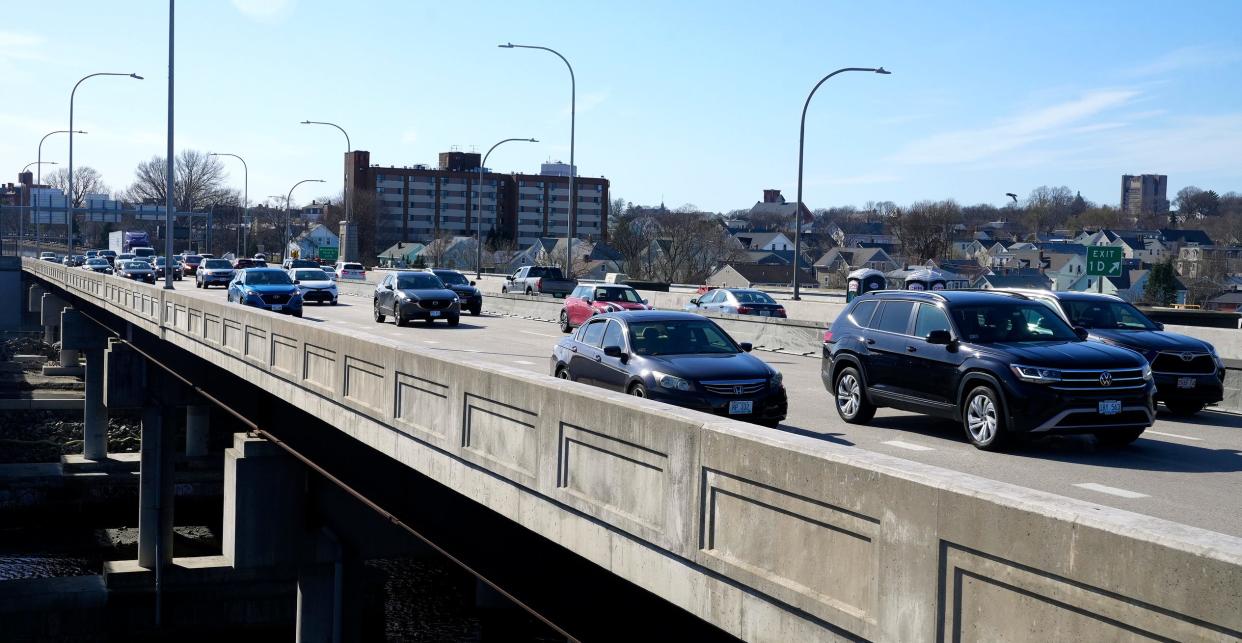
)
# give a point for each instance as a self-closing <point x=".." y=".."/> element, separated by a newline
<point x="256" y="344"/>
<point x="771" y="536"/>
<point x="234" y="336"/>
<point x="284" y="353"/>
<point x="364" y="384"/>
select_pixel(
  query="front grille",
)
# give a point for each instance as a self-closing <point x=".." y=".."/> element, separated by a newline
<point x="1095" y="419"/>
<point x="738" y="387"/>
<point x="1091" y="380"/>
<point x="1198" y="364"/>
<point x="435" y="304"/>
<point x="275" y="299"/>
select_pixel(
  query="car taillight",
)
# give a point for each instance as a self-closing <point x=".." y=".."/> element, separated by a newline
<point x="539" y="284"/>
<point x="744" y="310"/>
<point x="828" y="336"/>
<point x="780" y="311"/>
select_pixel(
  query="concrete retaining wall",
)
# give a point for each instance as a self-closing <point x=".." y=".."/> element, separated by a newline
<point x="769" y="535"/>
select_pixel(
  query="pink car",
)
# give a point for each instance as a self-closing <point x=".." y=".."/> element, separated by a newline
<point x="586" y="301"/>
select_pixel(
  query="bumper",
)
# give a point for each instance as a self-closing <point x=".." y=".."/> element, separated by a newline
<point x="288" y="309"/>
<point x="469" y="302"/>
<point x="321" y="296"/>
<point x="216" y="279"/>
<point x="412" y="310"/>
<point x="1209" y="388"/>
<point x="1041" y="409"/>
<point x="770" y="406"/>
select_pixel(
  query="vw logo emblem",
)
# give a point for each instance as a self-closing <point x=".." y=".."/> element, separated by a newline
<point x="1106" y="379"/>
<point x="1186" y="357"/>
<point x="739" y="389"/>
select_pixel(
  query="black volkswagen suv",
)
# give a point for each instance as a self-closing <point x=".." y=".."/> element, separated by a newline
<point x="1189" y="374"/>
<point x="1001" y="364"/>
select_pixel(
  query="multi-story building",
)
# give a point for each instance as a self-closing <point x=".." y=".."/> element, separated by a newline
<point x="420" y="204"/>
<point x="1144" y="194"/>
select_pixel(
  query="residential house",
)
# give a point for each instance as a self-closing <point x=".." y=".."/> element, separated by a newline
<point x="749" y="275"/>
<point x="1176" y="239"/>
<point x="317" y="242"/>
<point x="1194" y="261"/>
<point x="402" y="254"/>
<point x="1024" y="280"/>
<point x="456" y="253"/>
<point x="764" y="241"/>
<point x="1130" y="286"/>
<point x="1008" y="258"/>
<point x="774" y="206"/>
<point x="1144" y="245"/>
<point x="1064" y="268"/>
<point x="832" y="268"/>
<point x="850" y="234"/>
<point x="1230" y="302"/>
<point x="968" y="270"/>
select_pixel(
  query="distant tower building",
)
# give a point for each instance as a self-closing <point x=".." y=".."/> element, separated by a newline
<point x="1144" y="194"/>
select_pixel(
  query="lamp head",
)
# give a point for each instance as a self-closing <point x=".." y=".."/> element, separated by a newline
<point x="507" y="45"/>
<point x="882" y="70"/>
<point x="306" y="122"/>
<point x="533" y="140"/>
<point x="136" y="76"/>
<point x="79" y="132"/>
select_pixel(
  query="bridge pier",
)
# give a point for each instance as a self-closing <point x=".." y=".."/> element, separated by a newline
<point x="34" y="299"/>
<point x="197" y="428"/>
<point x="263" y="500"/>
<point x="79" y="333"/>
<point x="320" y="595"/>
<point x="155" y="493"/>
<point x="50" y="307"/>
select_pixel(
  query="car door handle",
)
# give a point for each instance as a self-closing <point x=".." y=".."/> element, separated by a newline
<point x="573" y="349"/>
<point x="870" y="341"/>
<point x="598" y="358"/>
<point x="910" y="349"/>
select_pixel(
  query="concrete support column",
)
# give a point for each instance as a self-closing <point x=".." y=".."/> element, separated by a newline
<point x="95" y="415"/>
<point x="50" y="309"/>
<point x="155" y="495"/>
<point x="263" y="498"/>
<point x="197" y="424"/>
<point x="320" y="592"/>
<point x="69" y="358"/>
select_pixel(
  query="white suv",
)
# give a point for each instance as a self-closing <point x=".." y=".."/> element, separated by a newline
<point x="350" y="270"/>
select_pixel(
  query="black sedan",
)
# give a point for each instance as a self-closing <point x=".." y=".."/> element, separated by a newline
<point x="679" y="358"/>
<point x="415" y="295"/>
<point x="98" y="264"/>
<point x="136" y="270"/>
<point x="470" y="297"/>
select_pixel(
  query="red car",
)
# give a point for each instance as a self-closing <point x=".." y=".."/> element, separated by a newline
<point x="586" y="301"/>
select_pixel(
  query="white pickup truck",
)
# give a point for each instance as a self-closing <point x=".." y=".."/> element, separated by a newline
<point x="537" y="280"/>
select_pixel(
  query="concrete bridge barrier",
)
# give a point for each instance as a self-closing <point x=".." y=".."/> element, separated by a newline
<point x="768" y="535"/>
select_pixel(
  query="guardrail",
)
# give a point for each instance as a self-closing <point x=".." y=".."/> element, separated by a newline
<point x="769" y="535"/>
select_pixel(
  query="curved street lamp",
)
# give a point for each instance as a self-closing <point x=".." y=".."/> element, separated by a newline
<point x="478" y="231"/>
<point x="245" y="197"/>
<point x="39" y="181"/>
<point x="349" y="203"/>
<point x="573" y="169"/>
<point x="69" y="196"/>
<point x="289" y="196"/>
<point x="801" y="144"/>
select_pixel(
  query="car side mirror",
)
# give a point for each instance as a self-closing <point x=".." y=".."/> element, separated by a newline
<point x="471" y="282"/>
<point x="692" y="301"/>
<point x="614" y="351"/>
<point x="297" y="281"/>
<point x="1081" y="332"/>
<point x="1159" y="326"/>
<point x="939" y="337"/>
<point x="388" y="286"/>
<point x="646" y="302"/>
<point x="508" y="277"/>
<point x="747" y="346"/>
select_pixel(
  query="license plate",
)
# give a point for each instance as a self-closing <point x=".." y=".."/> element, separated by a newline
<point x="277" y="306"/>
<point x="1110" y="407"/>
<point x="1186" y="382"/>
<point x="741" y="407"/>
<point x="435" y="313"/>
<point x="765" y="313"/>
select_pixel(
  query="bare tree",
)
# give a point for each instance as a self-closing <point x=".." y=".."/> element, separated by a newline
<point x="435" y="250"/>
<point x="1048" y="207"/>
<point x="86" y="180"/>
<point x="925" y="229"/>
<point x="199" y="182"/>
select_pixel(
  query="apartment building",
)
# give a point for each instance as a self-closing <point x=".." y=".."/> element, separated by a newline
<point x="420" y="203"/>
<point x="1144" y="194"/>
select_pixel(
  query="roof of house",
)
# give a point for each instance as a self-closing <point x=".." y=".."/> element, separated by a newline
<point x="1186" y="236"/>
<point x="861" y="227"/>
<point x="1037" y="281"/>
<point x="767" y="257"/>
<point x="1227" y="298"/>
<point x="402" y="249"/>
<point x="757" y="240"/>
<point x="1063" y="248"/>
<point x="761" y="274"/>
<point x="312" y="230"/>
<point x="853" y="257"/>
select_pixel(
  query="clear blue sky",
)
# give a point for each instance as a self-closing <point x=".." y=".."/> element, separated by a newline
<point x="689" y="102"/>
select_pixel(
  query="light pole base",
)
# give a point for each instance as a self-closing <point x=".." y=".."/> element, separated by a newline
<point x="349" y="241"/>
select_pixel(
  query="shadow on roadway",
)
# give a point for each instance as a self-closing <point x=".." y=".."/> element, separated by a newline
<point x="1203" y="418"/>
<point x="826" y="437"/>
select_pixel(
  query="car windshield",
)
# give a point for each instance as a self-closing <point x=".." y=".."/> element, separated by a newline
<point x="96" y="262"/>
<point x="137" y="265"/>
<point x="753" y="297"/>
<point x="193" y="259"/>
<point x="453" y="278"/>
<point x="310" y="275"/>
<point x="617" y="294"/>
<point x="1010" y="322"/>
<point x="417" y="281"/>
<point x="222" y="264"/>
<point x="680" y="337"/>
<point x="1106" y="315"/>
<point x="267" y="278"/>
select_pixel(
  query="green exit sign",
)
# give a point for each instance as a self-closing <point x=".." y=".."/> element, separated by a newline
<point x="1104" y="261"/>
<point x="327" y="254"/>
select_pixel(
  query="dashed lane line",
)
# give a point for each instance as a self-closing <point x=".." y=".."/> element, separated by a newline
<point x="1173" y="435"/>
<point x="531" y="332"/>
<point x="1112" y="491"/>
<point x="523" y="362"/>
<point x="909" y="446"/>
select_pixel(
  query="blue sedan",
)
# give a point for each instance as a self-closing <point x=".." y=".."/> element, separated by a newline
<point x="267" y="288"/>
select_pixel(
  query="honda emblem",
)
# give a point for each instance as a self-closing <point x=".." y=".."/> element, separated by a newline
<point x="739" y="389"/>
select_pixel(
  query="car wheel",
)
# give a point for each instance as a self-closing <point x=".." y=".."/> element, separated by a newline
<point x="1184" y="408"/>
<point x="476" y="311"/>
<point x="401" y="320"/>
<point x="983" y="420"/>
<point x="565" y="327"/>
<point x="1118" y="437"/>
<point x="852" y="404"/>
<point x="334" y="302"/>
<point x="298" y="314"/>
<point x="453" y="321"/>
<point x="379" y="317"/>
<point x="638" y="390"/>
<point x="530" y="292"/>
<point x="562" y="373"/>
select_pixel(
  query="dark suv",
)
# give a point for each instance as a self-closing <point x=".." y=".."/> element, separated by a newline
<point x="1189" y="375"/>
<point x="1001" y="364"/>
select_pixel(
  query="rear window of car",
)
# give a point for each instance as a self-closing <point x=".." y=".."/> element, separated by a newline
<point x="593" y="334"/>
<point x="861" y="315"/>
<point x="216" y="263"/>
<point x="352" y="266"/>
<point x="753" y="297"/>
<point x="894" y="317"/>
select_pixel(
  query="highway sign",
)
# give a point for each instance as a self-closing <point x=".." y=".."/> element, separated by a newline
<point x="1104" y="261"/>
<point x="327" y="254"/>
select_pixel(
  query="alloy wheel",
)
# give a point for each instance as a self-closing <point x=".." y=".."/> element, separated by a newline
<point x="848" y="395"/>
<point x="981" y="419"/>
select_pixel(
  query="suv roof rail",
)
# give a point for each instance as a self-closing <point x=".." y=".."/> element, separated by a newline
<point x="902" y="291"/>
<point x="997" y="291"/>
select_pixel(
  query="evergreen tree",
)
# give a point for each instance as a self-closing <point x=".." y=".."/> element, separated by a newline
<point x="1161" y="287"/>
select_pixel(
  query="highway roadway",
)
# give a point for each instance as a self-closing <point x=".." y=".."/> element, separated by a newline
<point x="1186" y="471"/>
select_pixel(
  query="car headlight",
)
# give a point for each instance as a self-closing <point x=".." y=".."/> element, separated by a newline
<point x="1036" y="374"/>
<point x="777" y="378"/>
<point x="1146" y="372"/>
<point x="670" y="382"/>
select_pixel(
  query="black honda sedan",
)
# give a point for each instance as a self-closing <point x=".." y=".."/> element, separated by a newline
<point x="410" y="295"/>
<point x="679" y="358"/>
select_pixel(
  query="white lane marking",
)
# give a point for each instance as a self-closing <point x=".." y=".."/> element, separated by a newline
<point x="1112" y="491"/>
<point x="1173" y="435"/>
<point x="471" y="350"/>
<point x="430" y="341"/>
<point x="908" y="446"/>
<point x="531" y="332"/>
<point x="522" y="361"/>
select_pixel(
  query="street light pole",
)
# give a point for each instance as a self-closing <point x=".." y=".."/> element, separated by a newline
<point x="345" y="193"/>
<point x="21" y="217"/>
<point x="39" y="181"/>
<point x="288" y="240"/>
<point x="69" y="196"/>
<point x="170" y="213"/>
<point x="245" y="194"/>
<point x="478" y="231"/>
<point x="573" y="169"/>
<point x="801" y="145"/>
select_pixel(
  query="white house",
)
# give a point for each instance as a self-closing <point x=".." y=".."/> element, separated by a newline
<point x="317" y="242"/>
